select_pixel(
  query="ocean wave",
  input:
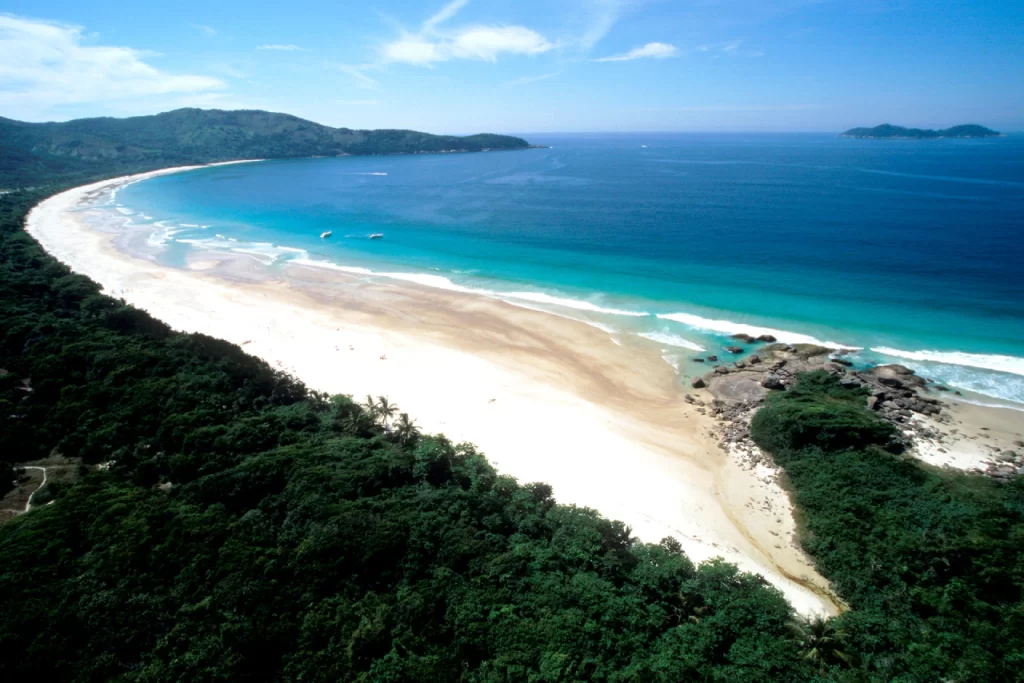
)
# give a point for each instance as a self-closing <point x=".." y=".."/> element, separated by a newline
<point x="441" y="282"/>
<point x="1008" y="364"/>
<point x="601" y="326"/>
<point x="1018" y="407"/>
<point x="265" y="252"/>
<point x="730" y="328"/>
<point x="671" y="340"/>
<point x="541" y="298"/>
<point x="674" y="362"/>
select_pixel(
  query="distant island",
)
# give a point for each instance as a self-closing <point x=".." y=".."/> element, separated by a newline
<point x="887" y="130"/>
<point x="32" y="152"/>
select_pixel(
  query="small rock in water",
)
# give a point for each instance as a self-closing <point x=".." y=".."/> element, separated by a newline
<point x="698" y="383"/>
<point x="734" y="349"/>
<point x="697" y="360"/>
<point x="745" y="338"/>
<point x="767" y="338"/>
<point x="712" y="358"/>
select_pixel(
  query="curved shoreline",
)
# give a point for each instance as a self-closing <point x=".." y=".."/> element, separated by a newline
<point x="544" y="398"/>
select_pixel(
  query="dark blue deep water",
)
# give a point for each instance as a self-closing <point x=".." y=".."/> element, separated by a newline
<point x="911" y="250"/>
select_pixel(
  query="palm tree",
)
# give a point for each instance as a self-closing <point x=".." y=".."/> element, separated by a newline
<point x="371" y="408"/>
<point x="385" y="411"/>
<point x="405" y="430"/>
<point x="820" y="640"/>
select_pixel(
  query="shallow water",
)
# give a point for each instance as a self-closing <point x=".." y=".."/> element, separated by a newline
<point x="910" y="250"/>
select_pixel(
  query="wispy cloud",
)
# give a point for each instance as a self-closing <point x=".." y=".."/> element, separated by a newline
<point x="732" y="48"/>
<point x="207" y="31"/>
<point x="648" y="51"/>
<point x="356" y="72"/>
<point x="526" y="80"/>
<point x="45" y="64"/>
<point x="606" y="14"/>
<point x="432" y="44"/>
<point x="277" y="47"/>
<point x="446" y="13"/>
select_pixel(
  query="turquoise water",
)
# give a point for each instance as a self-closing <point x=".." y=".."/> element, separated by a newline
<point x="910" y="250"/>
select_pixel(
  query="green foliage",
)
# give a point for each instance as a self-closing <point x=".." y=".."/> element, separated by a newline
<point x="931" y="562"/>
<point x="33" y="153"/>
<point x="819" y="413"/>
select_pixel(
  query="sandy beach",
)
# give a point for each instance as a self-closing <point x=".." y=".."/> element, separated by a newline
<point x="545" y="398"/>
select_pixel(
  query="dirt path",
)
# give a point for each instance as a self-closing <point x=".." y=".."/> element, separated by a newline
<point x="28" y="503"/>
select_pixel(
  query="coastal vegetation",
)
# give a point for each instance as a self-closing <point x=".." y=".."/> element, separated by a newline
<point x="33" y="153"/>
<point x="887" y="130"/>
<point x="930" y="562"/>
<point x="227" y="523"/>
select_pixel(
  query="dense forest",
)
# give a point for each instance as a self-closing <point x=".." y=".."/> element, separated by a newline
<point x="887" y="130"/>
<point x="35" y="152"/>
<point x="226" y="523"/>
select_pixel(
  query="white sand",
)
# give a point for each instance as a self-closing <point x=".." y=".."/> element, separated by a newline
<point x="972" y="437"/>
<point x="545" y="398"/>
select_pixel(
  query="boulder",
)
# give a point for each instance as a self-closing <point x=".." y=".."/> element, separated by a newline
<point x="755" y="359"/>
<point x="842" y="361"/>
<point x="712" y="358"/>
<point x="734" y="349"/>
<point x="872" y="403"/>
<point x="766" y="338"/>
<point x="745" y="338"/>
<point x="895" y="376"/>
<point x="722" y="370"/>
<point x="698" y="383"/>
<point x="771" y="381"/>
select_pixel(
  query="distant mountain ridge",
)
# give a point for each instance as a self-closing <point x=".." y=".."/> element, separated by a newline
<point x="887" y="130"/>
<point x="30" y="152"/>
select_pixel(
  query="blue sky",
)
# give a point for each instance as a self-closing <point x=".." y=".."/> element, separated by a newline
<point x="524" y="65"/>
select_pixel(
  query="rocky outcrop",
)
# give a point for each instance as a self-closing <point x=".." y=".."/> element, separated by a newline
<point x="896" y="393"/>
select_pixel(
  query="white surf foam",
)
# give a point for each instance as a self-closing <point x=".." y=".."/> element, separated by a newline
<point x="1007" y="364"/>
<point x="730" y="327"/>
<point x="671" y="340"/>
<point x="541" y="298"/>
<point x="601" y="326"/>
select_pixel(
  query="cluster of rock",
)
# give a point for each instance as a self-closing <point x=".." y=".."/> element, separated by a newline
<point x="1007" y="463"/>
<point x="896" y="393"/>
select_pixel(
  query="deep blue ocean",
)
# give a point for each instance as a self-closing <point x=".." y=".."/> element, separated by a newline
<point x="910" y="250"/>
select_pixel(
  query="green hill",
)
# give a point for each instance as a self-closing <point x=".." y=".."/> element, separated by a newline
<point x="34" y="152"/>
<point x="887" y="130"/>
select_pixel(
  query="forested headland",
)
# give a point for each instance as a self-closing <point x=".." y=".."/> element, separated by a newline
<point x="226" y="523"/>
<point x="32" y="153"/>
